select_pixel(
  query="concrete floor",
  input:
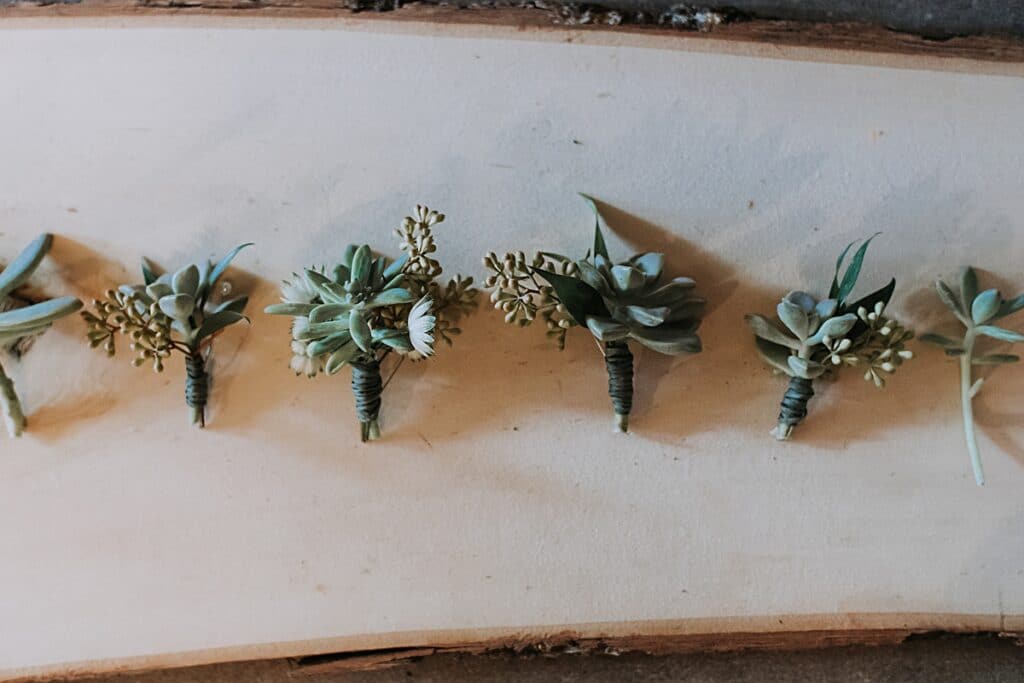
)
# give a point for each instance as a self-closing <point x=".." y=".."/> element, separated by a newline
<point x="928" y="660"/>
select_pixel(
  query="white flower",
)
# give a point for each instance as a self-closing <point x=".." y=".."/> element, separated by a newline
<point x="297" y="290"/>
<point x="301" y="363"/>
<point x="420" y="325"/>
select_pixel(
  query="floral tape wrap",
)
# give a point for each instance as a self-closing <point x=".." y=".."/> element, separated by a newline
<point x="794" y="403"/>
<point x="197" y="384"/>
<point x="619" y="361"/>
<point x="367" y="388"/>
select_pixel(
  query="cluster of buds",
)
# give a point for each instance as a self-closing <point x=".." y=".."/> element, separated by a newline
<point x="147" y="327"/>
<point x="418" y="243"/>
<point x="523" y="298"/>
<point x="884" y="348"/>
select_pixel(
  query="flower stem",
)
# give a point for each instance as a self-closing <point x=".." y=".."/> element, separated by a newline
<point x="619" y="362"/>
<point x="968" y="408"/>
<point x="367" y="388"/>
<point x="197" y="388"/>
<point x="13" y="416"/>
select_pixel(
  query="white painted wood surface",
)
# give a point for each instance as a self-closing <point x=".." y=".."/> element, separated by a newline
<point x="498" y="500"/>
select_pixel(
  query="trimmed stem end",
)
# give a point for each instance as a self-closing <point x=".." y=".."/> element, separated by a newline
<point x="621" y="424"/>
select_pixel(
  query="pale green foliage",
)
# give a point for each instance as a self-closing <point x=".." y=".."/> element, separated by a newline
<point x="976" y="311"/>
<point x="171" y="311"/>
<point x="369" y="306"/>
<point x="523" y="297"/>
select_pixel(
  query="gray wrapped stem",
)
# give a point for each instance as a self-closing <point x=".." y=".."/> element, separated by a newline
<point x="619" y="361"/>
<point x="197" y="388"/>
<point x="367" y="387"/>
<point x="793" y="409"/>
<point x="14" y="418"/>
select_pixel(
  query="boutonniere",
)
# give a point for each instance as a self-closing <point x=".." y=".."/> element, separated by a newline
<point x="616" y="302"/>
<point x="365" y="307"/>
<point x="813" y="338"/>
<point x="977" y="312"/>
<point x="180" y="312"/>
<point x="22" y="320"/>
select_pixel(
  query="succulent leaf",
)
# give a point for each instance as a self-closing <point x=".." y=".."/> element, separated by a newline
<point x="794" y="317"/>
<point x="328" y="344"/>
<point x="178" y="307"/>
<point x="984" y="306"/>
<point x="808" y="369"/>
<point x="648" y="317"/>
<point x="322" y="329"/>
<point x="1012" y="306"/>
<point x="765" y="329"/>
<point x="668" y="339"/>
<point x="606" y="329"/>
<point x="325" y="312"/>
<point x="289" y="308"/>
<point x="25" y="320"/>
<point x="223" y="264"/>
<point x="579" y="298"/>
<point x="996" y="359"/>
<point x="340" y="357"/>
<point x="650" y="264"/>
<point x="21" y="268"/>
<point x="186" y="281"/>
<point x="215" y="322"/>
<point x="391" y="297"/>
<point x="150" y="272"/>
<point x="361" y="266"/>
<point x="1000" y="334"/>
<point x="775" y="355"/>
<point x="833" y="327"/>
<point x="357" y="325"/>
<point x="968" y="285"/>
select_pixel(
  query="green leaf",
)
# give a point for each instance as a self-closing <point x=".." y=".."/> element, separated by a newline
<point x="396" y="339"/>
<point x="600" y="248"/>
<point x="556" y="257"/>
<point x="833" y="327"/>
<point x="177" y="306"/>
<point x="853" y="271"/>
<point x="606" y="329"/>
<point x="833" y="291"/>
<point x="1000" y="334"/>
<point x="328" y="344"/>
<point x="775" y="355"/>
<point x="1012" y="306"/>
<point x="647" y="316"/>
<point x="216" y="322"/>
<point x="347" y="255"/>
<point x="580" y="299"/>
<point x="984" y="306"/>
<point x="315" y="331"/>
<point x="186" y="281"/>
<point x="951" y="301"/>
<point x="391" y="297"/>
<point x="361" y="263"/>
<point x="38" y="315"/>
<point x="21" y="268"/>
<point x="340" y="357"/>
<point x="236" y="305"/>
<point x="396" y="267"/>
<point x="968" y="285"/>
<point x="995" y="359"/>
<point x="808" y="369"/>
<point x="767" y="330"/>
<point x="883" y="294"/>
<point x="939" y="340"/>
<point x="325" y="312"/>
<point x="329" y="291"/>
<point x="289" y="308"/>
<point x="223" y="264"/>
<point x="793" y="317"/>
<point x="358" y="327"/>
<point x="670" y="340"/>
<point x="149" y="271"/>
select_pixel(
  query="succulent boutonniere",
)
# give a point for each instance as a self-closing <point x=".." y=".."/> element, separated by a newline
<point x="617" y="302"/>
<point x="819" y="337"/>
<point x="977" y="312"/>
<point x="170" y="312"/>
<point x="365" y="307"/>
<point x="21" y="320"/>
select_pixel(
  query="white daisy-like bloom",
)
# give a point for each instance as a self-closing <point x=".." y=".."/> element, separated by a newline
<point x="301" y="363"/>
<point x="420" y="326"/>
<point x="297" y="290"/>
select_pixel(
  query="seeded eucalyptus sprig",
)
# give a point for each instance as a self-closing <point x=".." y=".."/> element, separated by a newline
<point x="616" y="302"/>
<point x="21" y="320"/>
<point x="976" y="312"/>
<point x="817" y="338"/>
<point x="367" y="307"/>
<point x="180" y="312"/>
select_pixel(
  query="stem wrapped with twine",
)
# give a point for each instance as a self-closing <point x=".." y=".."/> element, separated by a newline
<point x="367" y="388"/>
<point x="619" y="361"/>
<point x="793" y="409"/>
<point x="197" y="388"/>
<point x="13" y="415"/>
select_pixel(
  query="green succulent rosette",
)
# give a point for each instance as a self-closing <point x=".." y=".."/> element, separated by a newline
<point x="366" y="307"/>
<point x="813" y="339"/>
<point x="616" y="302"/>
<point x="22" y="319"/>
<point x="181" y="312"/>
<point x="977" y="311"/>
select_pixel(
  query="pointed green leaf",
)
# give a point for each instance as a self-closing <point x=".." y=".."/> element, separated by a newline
<point x="939" y="340"/>
<point x="289" y="308"/>
<point x="216" y="322"/>
<point x="236" y="305"/>
<point x="985" y="306"/>
<point x="149" y="271"/>
<point x="391" y="297"/>
<point x="358" y="327"/>
<point x="223" y="264"/>
<point x="580" y="299"/>
<point x="835" y="328"/>
<point x="774" y="355"/>
<point x="361" y="265"/>
<point x="600" y="248"/>
<point x="853" y="271"/>
<point x="647" y="316"/>
<point x="186" y="281"/>
<point x="951" y="301"/>
<point x="329" y="291"/>
<point x="396" y="339"/>
<point x="968" y="285"/>
<point x="325" y="312"/>
<point x="793" y="317"/>
<point x="347" y="255"/>
<point x="1012" y="306"/>
<point x="21" y="268"/>
<point x="340" y="357"/>
<point x="328" y="344"/>
<point x="883" y="295"/>
<point x="995" y="359"/>
<point x="767" y="330"/>
<point x="396" y="267"/>
<point x="1000" y="333"/>
<point x="833" y="291"/>
<point x="314" y="331"/>
<point x="37" y="315"/>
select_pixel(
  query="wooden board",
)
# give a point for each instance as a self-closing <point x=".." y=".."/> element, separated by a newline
<point x="498" y="506"/>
